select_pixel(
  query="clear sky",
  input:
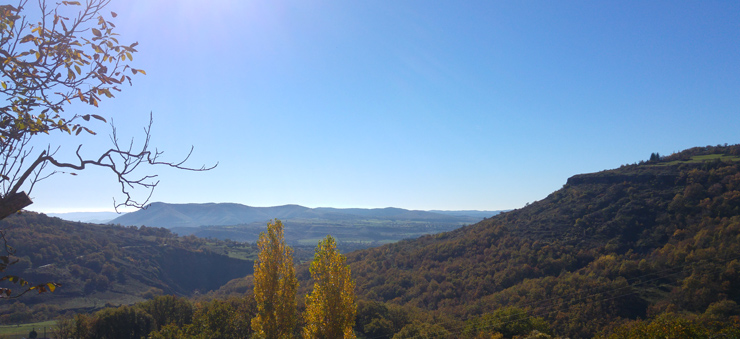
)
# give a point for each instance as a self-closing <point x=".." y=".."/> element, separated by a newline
<point x="415" y="104"/>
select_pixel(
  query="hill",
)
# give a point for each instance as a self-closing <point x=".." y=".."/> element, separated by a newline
<point x="658" y="240"/>
<point x="166" y="215"/>
<point x="354" y="228"/>
<point x="104" y="264"/>
<point x="643" y="239"/>
<point x="654" y="240"/>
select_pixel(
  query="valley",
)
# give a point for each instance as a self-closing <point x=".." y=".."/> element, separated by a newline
<point x="354" y="228"/>
<point x="650" y="244"/>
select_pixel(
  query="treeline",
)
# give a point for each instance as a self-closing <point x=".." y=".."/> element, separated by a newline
<point x="169" y="317"/>
<point x="175" y="317"/>
<point x="164" y="317"/>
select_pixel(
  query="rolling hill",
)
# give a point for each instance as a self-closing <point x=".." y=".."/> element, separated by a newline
<point x="645" y="239"/>
<point x="166" y="215"/>
<point x="354" y="228"/>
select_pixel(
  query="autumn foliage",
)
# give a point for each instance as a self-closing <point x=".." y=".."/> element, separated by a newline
<point x="330" y="308"/>
<point x="275" y="285"/>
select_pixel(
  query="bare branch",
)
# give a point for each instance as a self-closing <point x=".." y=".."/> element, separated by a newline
<point x="124" y="168"/>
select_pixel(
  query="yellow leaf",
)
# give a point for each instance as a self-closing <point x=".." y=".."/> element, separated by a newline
<point x="274" y="283"/>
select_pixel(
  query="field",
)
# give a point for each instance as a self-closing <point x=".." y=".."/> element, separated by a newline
<point x="355" y="234"/>
<point x="22" y="330"/>
<point x="702" y="158"/>
<point x="236" y="250"/>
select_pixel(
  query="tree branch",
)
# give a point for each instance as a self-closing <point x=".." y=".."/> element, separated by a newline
<point x="128" y="161"/>
<point x="13" y="203"/>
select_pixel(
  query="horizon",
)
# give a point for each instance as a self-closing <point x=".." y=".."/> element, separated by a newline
<point x="203" y="203"/>
<point x="456" y="106"/>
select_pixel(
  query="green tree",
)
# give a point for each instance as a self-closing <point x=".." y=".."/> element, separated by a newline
<point x="507" y="321"/>
<point x="422" y="330"/>
<point x="221" y="319"/>
<point x="214" y="320"/>
<point x="168" y="309"/>
<point x="275" y="285"/>
<point x="81" y="325"/>
<point x="64" y="328"/>
<point x="125" y="322"/>
<point x="170" y="331"/>
<point x="330" y="308"/>
<point x="669" y="325"/>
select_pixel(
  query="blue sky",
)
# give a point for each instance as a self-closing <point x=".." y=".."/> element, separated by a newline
<point x="415" y="104"/>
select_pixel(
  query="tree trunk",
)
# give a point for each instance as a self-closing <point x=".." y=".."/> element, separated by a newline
<point x="13" y="203"/>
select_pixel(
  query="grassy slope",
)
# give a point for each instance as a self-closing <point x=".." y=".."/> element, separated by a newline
<point x="22" y="330"/>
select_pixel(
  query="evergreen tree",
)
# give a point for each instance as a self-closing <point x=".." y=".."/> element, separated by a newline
<point x="330" y="308"/>
<point x="275" y="286"/>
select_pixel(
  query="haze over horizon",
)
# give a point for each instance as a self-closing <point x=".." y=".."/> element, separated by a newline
<point x="122" y="211"/>
<point x="423" y="106"/>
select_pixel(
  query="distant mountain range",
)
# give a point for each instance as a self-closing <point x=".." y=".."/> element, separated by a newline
<point x="170" y="216"/>
<point x="90" y="217"/>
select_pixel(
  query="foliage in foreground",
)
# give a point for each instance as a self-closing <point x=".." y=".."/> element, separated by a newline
<point x="330" y="308"/>
<point x="164" y="317"/>
<point x="275" y="285"/>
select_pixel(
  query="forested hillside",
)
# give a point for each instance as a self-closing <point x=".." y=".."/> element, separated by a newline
<point x="659" y="237"/>
<point x="102" y="264"/>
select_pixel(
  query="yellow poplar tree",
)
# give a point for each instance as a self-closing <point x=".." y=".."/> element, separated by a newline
<point x="330" y="308"/>
<point x="275" y="286"/>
